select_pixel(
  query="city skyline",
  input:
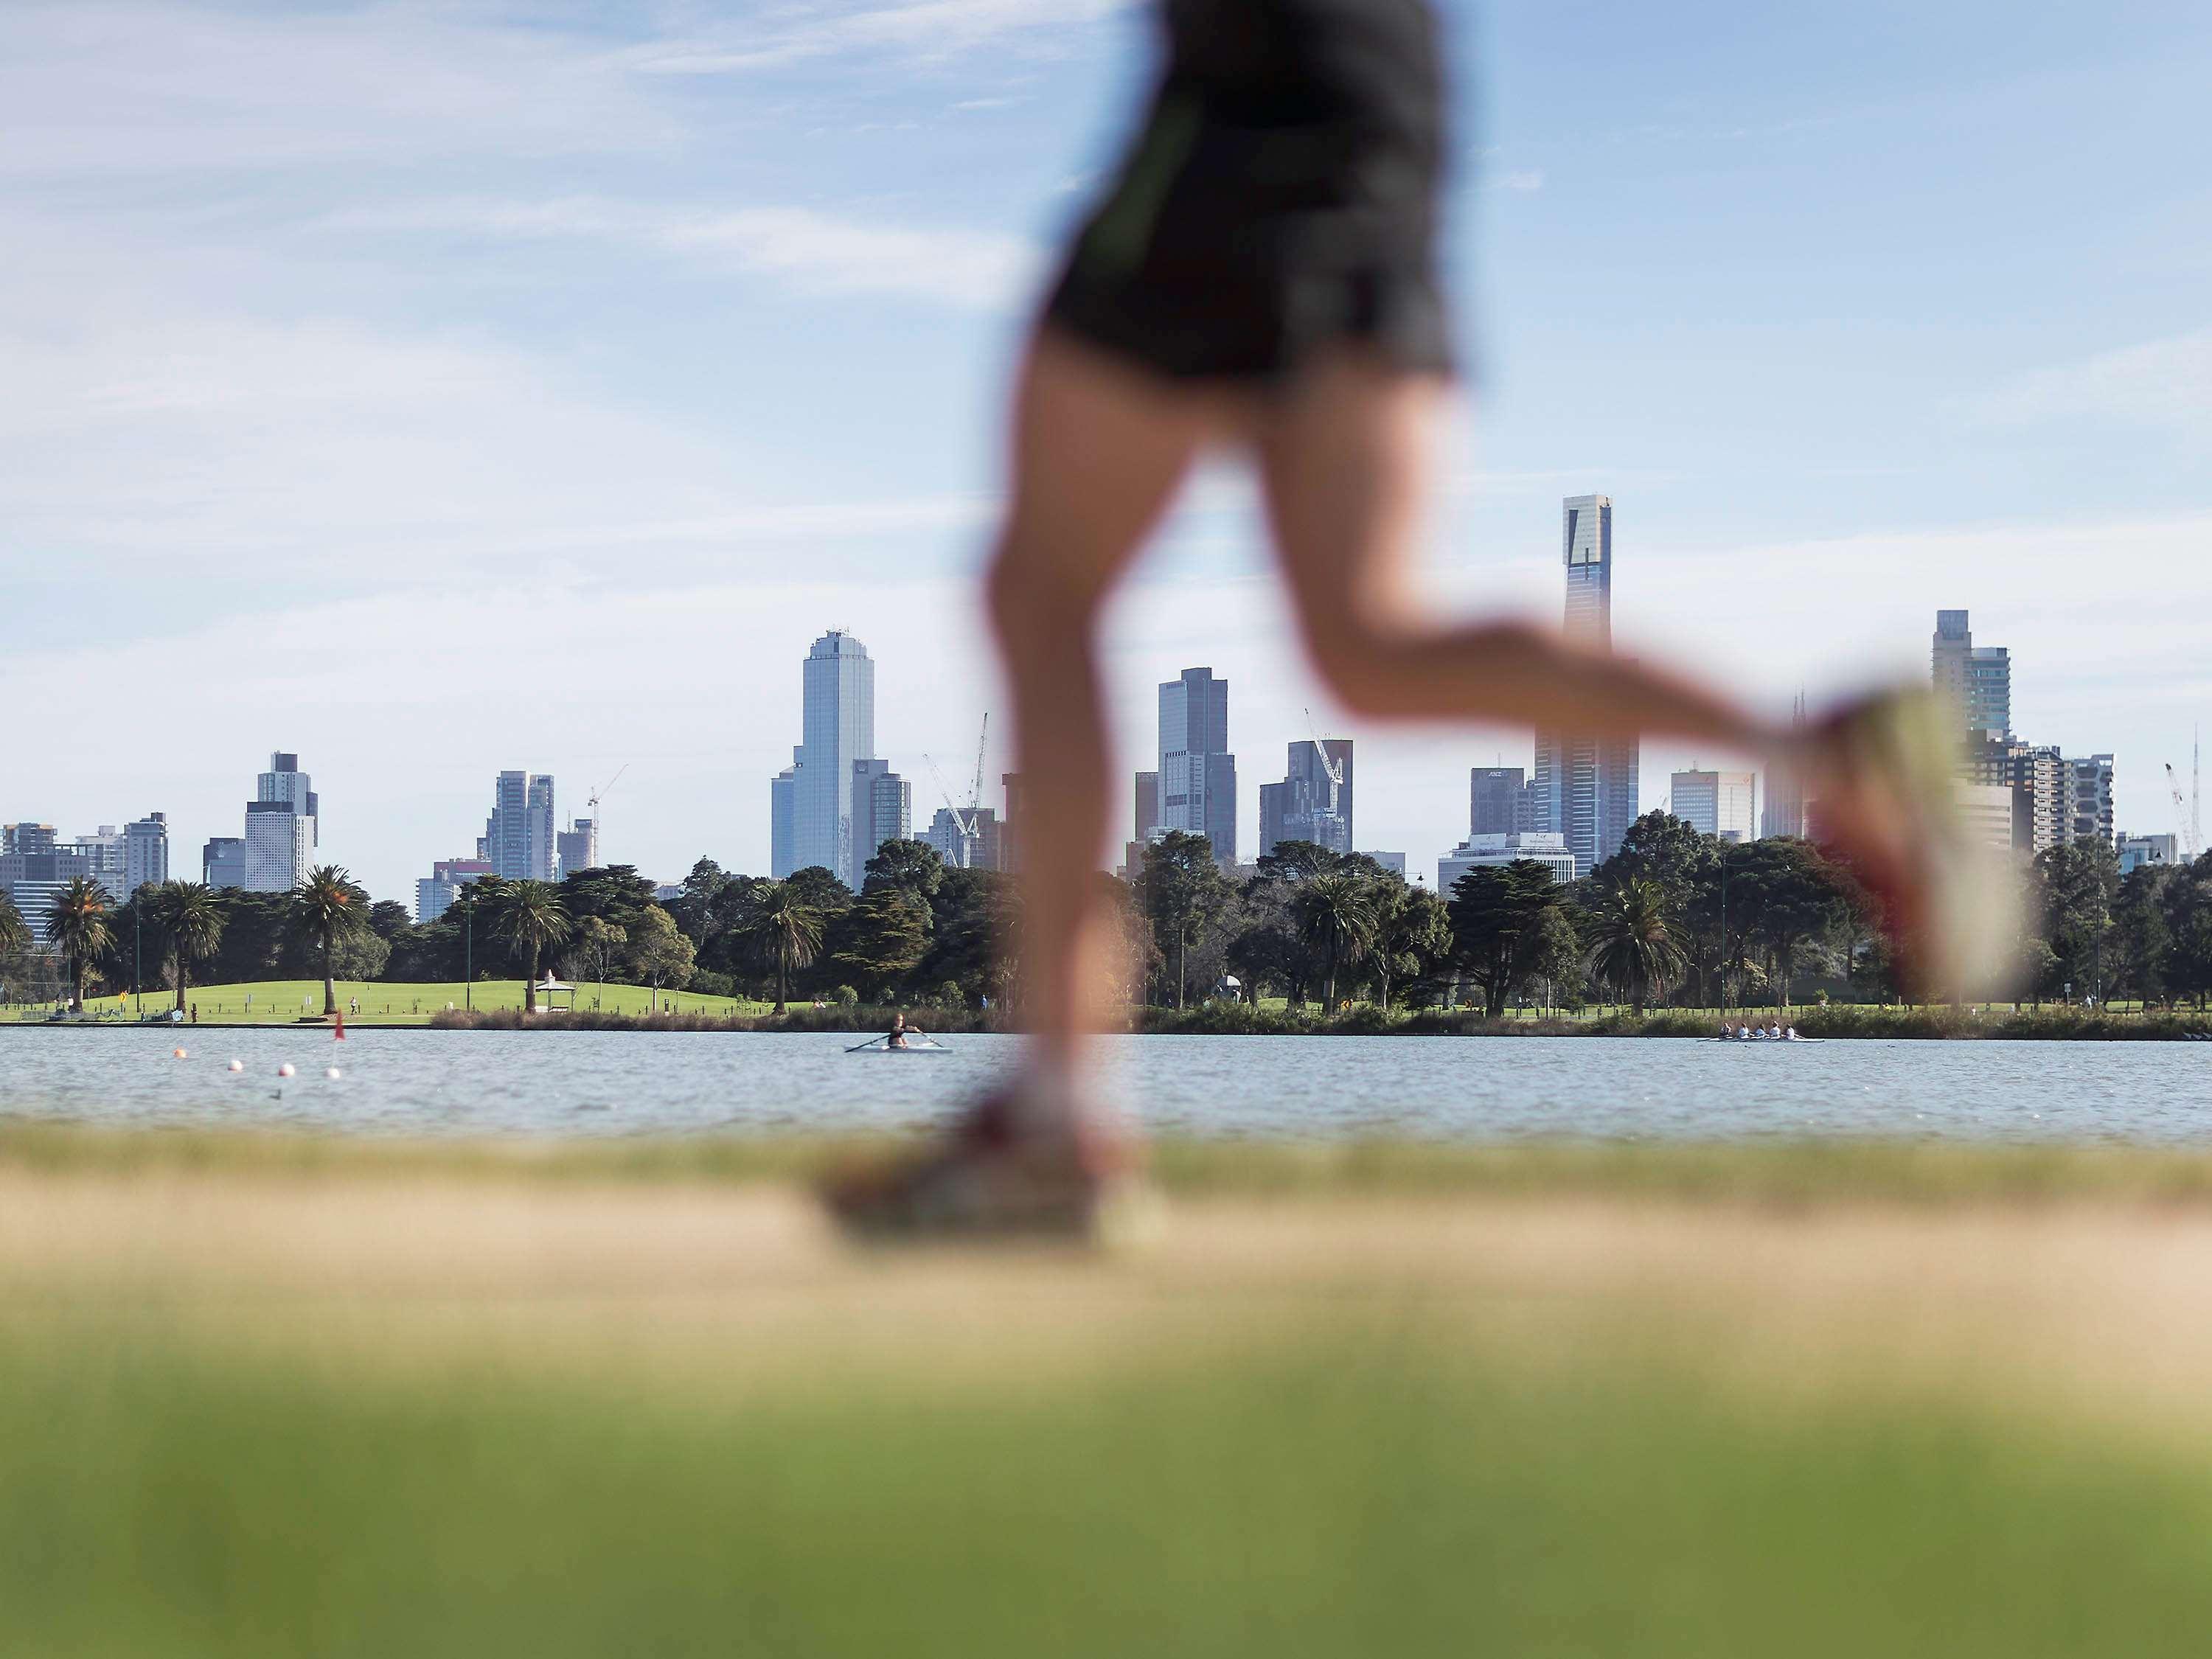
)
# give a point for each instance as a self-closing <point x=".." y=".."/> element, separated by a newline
<point x="384" y="428"/>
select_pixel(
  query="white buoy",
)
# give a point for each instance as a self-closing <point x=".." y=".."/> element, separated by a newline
<point x="179" y="1054"/>
<point x="334" y="1075"/>
<point x="237" y="1065"/>
<point x="286" y="1069"/>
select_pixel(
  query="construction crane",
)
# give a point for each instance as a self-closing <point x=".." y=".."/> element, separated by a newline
<point x="592" y="800"/>
<point x="967" y="824"/>
<point x="1332" y="768"/>
<point x="2186" y="817"/>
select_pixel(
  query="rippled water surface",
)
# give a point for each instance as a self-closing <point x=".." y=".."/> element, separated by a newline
<point x="581" y="1083"/>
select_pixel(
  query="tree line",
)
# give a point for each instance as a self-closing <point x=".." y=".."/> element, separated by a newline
<point x="1674" y="918"/>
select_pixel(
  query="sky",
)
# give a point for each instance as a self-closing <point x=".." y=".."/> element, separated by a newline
<point x="433" y="389"/>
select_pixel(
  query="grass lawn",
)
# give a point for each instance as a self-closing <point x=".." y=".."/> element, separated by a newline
<point x="278" y="1002"/>
<point x="368" y="1401"/>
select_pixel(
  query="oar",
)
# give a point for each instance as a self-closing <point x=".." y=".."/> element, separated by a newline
<point x="857" y="1047"/>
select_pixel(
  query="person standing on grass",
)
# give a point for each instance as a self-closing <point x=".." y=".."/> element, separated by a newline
<point x="1260" y="279"/>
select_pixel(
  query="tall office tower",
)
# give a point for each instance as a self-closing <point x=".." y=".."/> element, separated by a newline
<point x="882" y="806"/>
<point x="838" y="723"/>
<point x="1717" y="804"/>
<point x="1198" y="774"/>
<point x="434" y="894"/>
<point x="783" y="818"/>
<point x="146" y="852"/>
<point x="1146" y="817"/>
<point x="2089" y="799"/>
<point x="519" y="840"/>
<point x="223" y="862"/>
<point x="1499" y="802"/>
<point x="1586" y="788"/>
<point x="284" y="827"/>
<point x="577" y="847"/>
<point x="1314" y="800"/>
<point x="1977" y="678"/>
<point x="1785" y="790"/>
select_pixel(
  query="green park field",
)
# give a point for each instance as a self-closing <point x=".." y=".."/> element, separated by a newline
<point x="279" y="1002"/>
<point x="284" y="1397"/>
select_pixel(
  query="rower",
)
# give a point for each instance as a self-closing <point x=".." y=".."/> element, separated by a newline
<point x="895" y="1037"/>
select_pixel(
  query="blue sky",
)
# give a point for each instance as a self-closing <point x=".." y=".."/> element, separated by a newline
<point x="433" y="389"/>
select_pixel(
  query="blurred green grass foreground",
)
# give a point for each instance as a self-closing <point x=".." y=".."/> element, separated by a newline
<point x="419" y="1406"/>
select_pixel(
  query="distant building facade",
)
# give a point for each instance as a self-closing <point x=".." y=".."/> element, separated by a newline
<point x="519" y="840"/>
<point x="146" y="852"/>
<point x="1500" y="801"/>
<point x="965" y="841"/>
<point x="884" y="804"/>
<point x="223" y="862"/>
<point x="1977" y="679"/>
<point x="577" y="847"/>
<point x="1314" y="800"/>
<point x="816" y="817"/>
<point x="434" y="894"/>
<point x="2137" y="851"/>
<point x="2089" y="784"/>
<point x="1586" y="788"/>
<point x="34" y="866"/>
<point x="1784" y="813"/>
<point x="1546" y="846"/>
<point x="1722" y="804"/>
<point x="284" y="827"/>
<point x="1198" y="774"/>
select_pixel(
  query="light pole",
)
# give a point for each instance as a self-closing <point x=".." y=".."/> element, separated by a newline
<point x="138" y="956"/>
<point x="468" y="949"/>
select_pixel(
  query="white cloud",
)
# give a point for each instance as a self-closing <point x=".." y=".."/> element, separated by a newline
<point x="931" y="29"/>
<point x="815" y="251"/>
<point x="92" y="88"/>
<point x="2161" y="383"/>
<point x="1522" y="181"/>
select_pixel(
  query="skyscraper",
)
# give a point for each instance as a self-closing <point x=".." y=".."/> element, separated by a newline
<point x="1586" y="788"/>
<point x="1198" y="774"/>
<point x="145" y="852"/>
<point x="1977" y="678"/>
<point x="838" y="723"/>
<point x="882" y="807"/>
<point x="577" y="847"/>
<point x="284" y="827"/>
<point x="783" y="818"/>
<point x="1784" y="813"/>
<point x="1720" y="804"/>
<point x="1499" y="802"/>
<point x="1146" y="817"/>
<point x="1314" y="800"/>
<point x="520" y="838"/>
<point x="2089" y="799"/>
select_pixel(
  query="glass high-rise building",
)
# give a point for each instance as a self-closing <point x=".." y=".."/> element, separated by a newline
<point x="820" y="810"/>
<point x="1586" y="788"/>
<point x="1977" y="678"/>
<point x="1313" y="802"/>
<point x="1198" y="774"/>
<point x="520" y="840"/>
<point x="1499" y="801"/>
<point x="284" y="827"/>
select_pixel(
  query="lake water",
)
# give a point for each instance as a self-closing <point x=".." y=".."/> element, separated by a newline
<point x="596" y="1084"/>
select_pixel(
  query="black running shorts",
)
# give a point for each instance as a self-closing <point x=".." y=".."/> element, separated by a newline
<point x="1282" y="196"/>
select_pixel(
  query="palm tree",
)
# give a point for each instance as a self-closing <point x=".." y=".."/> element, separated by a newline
<point x="328" y="906"/>
<point x="15" y="931"/>
<point x="1336" y="914"/>
<point x="788" y="929"/>
<point x="1633" y="947"/>
<point x="529" y="915"/>
<point x="194" y="918"/>
<point x="76" y="920"/>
